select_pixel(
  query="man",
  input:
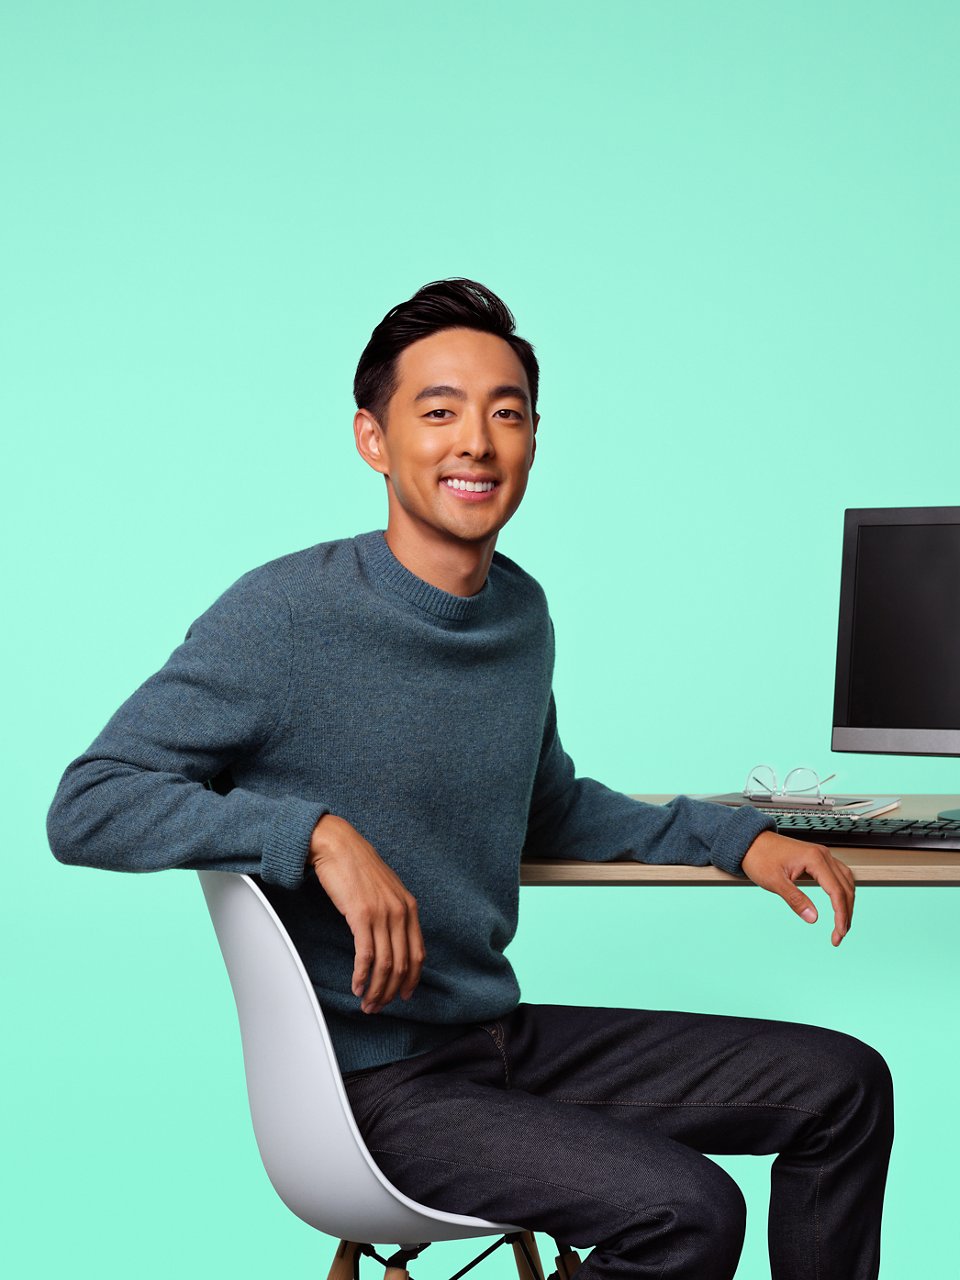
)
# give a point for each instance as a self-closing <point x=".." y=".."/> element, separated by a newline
<point x="377" y="716"/>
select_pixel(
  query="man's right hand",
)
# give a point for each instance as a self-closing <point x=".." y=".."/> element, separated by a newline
<point x="381" y="914"/>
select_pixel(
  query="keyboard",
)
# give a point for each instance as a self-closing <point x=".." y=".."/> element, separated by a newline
<point x="877" y="833"/>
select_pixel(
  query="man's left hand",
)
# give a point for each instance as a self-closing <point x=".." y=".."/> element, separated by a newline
<point x="775" y="862"/>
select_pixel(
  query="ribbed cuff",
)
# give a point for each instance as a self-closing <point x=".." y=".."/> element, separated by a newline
<point x="285" y="852"/>
<point x="737" y="835"/>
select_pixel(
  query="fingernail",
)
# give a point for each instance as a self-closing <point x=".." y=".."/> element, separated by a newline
<point x="809" y="914"/>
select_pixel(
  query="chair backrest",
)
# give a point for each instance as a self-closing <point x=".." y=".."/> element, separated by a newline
<point x="311" y="1147"/>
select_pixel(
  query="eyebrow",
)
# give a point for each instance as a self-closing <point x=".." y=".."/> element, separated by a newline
<point x="496" y="393"/>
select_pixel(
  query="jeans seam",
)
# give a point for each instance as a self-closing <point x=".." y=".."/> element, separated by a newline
<point x="460" y="1164"/>
<point x="816" y="1214"/>
<point x="779" y="1106"/>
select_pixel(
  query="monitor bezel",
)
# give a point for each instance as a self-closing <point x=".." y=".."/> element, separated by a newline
<point x="874" y="740"/>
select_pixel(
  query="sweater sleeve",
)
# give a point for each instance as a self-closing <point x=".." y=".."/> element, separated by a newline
<point x="580" y="818"/>
<point x="136" y="799"/>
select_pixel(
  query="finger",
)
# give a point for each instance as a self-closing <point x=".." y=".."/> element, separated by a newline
<point x="363" y="961"/>
<point x="382" y="967"/>
<point x="848" y="873"/>
<point x="851" y="882"/>
<point x="838" y="892"/>
<point x="416" y="951"/>
<point x="795" y="898"/>
<point x="848" y="886"/>
<point x="401" y="960"/>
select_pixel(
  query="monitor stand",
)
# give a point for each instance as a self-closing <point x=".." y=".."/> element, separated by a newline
<point x="950" y="813"/>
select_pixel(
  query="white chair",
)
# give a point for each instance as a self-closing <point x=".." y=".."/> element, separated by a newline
<point x="311" y="1147"/>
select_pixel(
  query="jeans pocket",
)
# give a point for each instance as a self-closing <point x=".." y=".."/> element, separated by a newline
<point x="495" y="1030"/>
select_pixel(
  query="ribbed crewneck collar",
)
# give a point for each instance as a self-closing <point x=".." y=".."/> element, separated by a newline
<point x="394" y="576"/>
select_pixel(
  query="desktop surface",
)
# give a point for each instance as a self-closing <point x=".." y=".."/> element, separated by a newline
<point x="871" y="866"/>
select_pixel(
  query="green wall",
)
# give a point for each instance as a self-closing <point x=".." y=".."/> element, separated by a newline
<point x="730" y="231"/>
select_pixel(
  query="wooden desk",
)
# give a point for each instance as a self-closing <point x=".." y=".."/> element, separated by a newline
<point x="921" y="867"/>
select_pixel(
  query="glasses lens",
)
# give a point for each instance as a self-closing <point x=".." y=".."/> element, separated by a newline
<point x="799" y="782"/>
<point x="761" y="781"/>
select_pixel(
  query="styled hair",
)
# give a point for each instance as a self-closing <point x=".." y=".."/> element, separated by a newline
<point x="454" y="303"/>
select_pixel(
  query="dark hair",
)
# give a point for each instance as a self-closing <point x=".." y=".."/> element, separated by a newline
<point x="454" y="303"/>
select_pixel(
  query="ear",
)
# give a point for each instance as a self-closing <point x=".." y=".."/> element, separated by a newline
<point x="371" y="441"/>
<point x="533" y="449"/>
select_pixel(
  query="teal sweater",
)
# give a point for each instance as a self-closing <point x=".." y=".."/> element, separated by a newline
<point x="335" y="680"/>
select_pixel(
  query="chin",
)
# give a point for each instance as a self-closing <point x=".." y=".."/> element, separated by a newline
<point x="474" y="534"/>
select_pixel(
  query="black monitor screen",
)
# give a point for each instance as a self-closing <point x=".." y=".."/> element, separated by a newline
<point x="899" y="654"/>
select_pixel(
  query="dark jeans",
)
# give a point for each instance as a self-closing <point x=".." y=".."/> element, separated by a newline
<point x="590" y="1124"/>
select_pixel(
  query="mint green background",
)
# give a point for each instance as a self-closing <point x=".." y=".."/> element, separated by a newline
<point x="730" y="230"/>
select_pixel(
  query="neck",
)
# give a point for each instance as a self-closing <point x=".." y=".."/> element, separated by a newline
<point x="460" y="568"/>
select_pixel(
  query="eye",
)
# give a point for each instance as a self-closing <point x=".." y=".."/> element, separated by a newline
<point x="513" y="411"/>
<point x="433" y="411"/>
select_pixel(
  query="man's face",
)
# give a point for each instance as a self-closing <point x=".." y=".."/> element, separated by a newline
<point x="461" y="412"/>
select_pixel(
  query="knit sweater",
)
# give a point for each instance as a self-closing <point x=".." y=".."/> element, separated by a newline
<point x="335" y="680"/>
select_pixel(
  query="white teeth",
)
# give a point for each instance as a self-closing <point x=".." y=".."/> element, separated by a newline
<point x="471" y="486"/>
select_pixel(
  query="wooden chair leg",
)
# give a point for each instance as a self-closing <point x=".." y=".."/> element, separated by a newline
<point x="567" y="1263"/>
<point x="523" y="1267"/>
<point x="344" y="1261"/>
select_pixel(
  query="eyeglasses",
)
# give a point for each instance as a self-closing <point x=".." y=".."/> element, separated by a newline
<point x="804" y="783"/>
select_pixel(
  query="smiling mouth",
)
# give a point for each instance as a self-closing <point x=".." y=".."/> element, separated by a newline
<point x="471" y="492"/>
<point x="469" y="486"/>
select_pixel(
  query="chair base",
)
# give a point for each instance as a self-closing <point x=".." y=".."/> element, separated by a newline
<point x="346" y="1262"/>
<point x="566" y="1262"/>
<point x="346" y="1259"/>
<point x="527" y="1257"/>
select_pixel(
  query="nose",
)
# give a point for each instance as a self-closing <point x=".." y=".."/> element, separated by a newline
<point x="474" y="439"/>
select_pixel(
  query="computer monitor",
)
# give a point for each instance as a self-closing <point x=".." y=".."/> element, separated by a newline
<point x="898" y="642"/>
